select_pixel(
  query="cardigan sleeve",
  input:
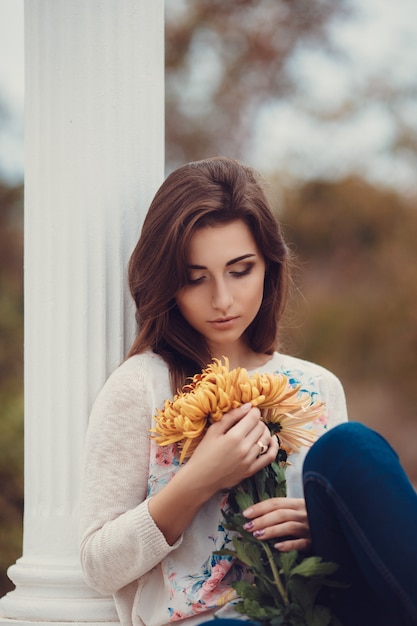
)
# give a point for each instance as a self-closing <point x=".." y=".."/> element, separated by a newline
<point x="120" y="541"/>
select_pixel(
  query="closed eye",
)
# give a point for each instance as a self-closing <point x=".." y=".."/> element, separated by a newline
<point x="245" y="272"/>
<point x="241" y="270"/>
<point x="196" y="281"/>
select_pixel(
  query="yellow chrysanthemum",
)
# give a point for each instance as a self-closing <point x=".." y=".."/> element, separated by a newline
<point x="217" y="390"/>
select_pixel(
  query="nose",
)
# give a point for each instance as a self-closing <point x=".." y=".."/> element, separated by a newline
<point x="222" y="297"/>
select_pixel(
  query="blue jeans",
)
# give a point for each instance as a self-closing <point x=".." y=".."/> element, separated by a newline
<point x="362" y="512"/>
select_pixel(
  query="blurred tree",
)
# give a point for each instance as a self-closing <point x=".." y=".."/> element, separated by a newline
<point x="357" y="316"/>
<point x="383" y="95"/>
<point x="225" y="60"/>
<point x="358" y="246"/>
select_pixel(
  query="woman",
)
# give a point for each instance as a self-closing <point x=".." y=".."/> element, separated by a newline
<point x="209" y="277"/>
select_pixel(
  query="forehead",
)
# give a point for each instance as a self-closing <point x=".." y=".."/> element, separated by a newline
<point x="221" y="243"/>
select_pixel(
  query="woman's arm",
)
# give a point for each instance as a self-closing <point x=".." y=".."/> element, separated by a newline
<point x="124" y="534"/>
<point x="119" y="540"/>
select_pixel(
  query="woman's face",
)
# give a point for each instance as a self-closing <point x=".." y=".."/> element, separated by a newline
<point x="226" y="274"/>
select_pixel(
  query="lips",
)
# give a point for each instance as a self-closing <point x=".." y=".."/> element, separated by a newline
<point x="222" y="320"/>
<point x="223" y="323"/>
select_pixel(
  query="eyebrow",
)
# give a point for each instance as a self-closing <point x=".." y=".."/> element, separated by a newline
<point x="231" y="262"/>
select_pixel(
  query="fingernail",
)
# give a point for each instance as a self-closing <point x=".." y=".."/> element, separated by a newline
<point x="278" y="546"/>
<point x="247" y="512"/>
<point x="258" y="533"/>
<point x="247" y="405"/>
<point x="248" y="525"/>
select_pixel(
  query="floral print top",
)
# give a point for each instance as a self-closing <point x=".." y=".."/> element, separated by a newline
<point x="123" y="552"/>
<point x="194" y="579"/>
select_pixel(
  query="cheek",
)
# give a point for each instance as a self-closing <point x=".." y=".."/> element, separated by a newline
<point x="254" y="302"/>
<point x="255" y="292"/>
<point x="187" y="303"/>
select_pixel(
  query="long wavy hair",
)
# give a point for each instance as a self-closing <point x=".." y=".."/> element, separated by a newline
<point x="214" y="191"/>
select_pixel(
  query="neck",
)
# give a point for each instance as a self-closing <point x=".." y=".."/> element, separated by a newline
<point x="240" y="356"/>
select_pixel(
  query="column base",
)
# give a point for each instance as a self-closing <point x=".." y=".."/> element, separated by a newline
<point x="53" y="593"/>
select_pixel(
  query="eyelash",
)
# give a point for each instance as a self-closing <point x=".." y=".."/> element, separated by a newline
<point x="245" y="272"/>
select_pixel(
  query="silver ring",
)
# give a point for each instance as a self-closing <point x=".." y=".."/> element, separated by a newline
<point x="262" y="447"/>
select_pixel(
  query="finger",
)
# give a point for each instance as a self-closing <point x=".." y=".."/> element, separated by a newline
<point x="275" y="519"/>
<point x="248" y="432"/>
<point x="291" y="529"/>
<point x="264" y="448"/>
<point x="274" y="504"/>
<point x="243" y="419"/>
<point x="271" y="453"/>
<point x="260" y="438"/>
<point x="265" y="439"/>
<point x="302" y="545"/>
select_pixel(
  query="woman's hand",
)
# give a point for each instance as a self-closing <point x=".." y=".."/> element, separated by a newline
<point x="234" y="448"/>
<point x="229" y="452"/>
<point x="282" y="518"/>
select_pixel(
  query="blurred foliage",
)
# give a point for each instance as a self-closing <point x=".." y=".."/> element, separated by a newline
<point x="225" y="61"/>
<point x="355" y="311"/>
<point x="230" y="63"/>
<point x="357" y="247"/>
<point x="11" y="378"/>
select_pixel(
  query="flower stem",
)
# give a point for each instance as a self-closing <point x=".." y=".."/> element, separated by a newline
<point x="275" y="573"/>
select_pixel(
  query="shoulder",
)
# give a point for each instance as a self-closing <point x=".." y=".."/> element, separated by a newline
<point x="138" y="368"/>
<point x="288" y="364"/>
<point x="136" y="381"/>
<point x="310" y="376"/>
<point x="319" y="382"/>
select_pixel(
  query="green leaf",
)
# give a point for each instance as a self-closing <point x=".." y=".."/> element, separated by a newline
<point x="278" y="621"/>
<point x="243" y="500"/>
<point x="280" y="490"/>
<point x="319" y="616"/>
<point x="304" y="591"/>
<point x="259" y="611"/>
<point x="246" y="552"/>
<point x="285" y="586"/>
<point x="314" y="566"/>
<point x="254" y="610"/>
<point x="260" y="482"/>
<point x="287" y="561"/>
<point x="246" y="589"/>
<point x="226" y="552"/>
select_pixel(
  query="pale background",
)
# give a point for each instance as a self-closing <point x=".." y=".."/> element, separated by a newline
<point x="379" y="41"/>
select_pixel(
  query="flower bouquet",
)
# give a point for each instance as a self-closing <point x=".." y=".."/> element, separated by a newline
<point x="284" y="588"/>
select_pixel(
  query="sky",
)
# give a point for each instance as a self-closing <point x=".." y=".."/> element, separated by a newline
<point x="379" y="41"/>
<point x="12" y="88"/>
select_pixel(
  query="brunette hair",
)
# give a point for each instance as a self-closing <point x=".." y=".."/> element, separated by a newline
<point x="214" y="191"/>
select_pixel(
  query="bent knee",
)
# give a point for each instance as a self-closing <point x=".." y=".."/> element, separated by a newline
<point x="341" y="444"/>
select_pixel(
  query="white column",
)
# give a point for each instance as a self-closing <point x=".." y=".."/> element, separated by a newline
<point x="94" y="158"/>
